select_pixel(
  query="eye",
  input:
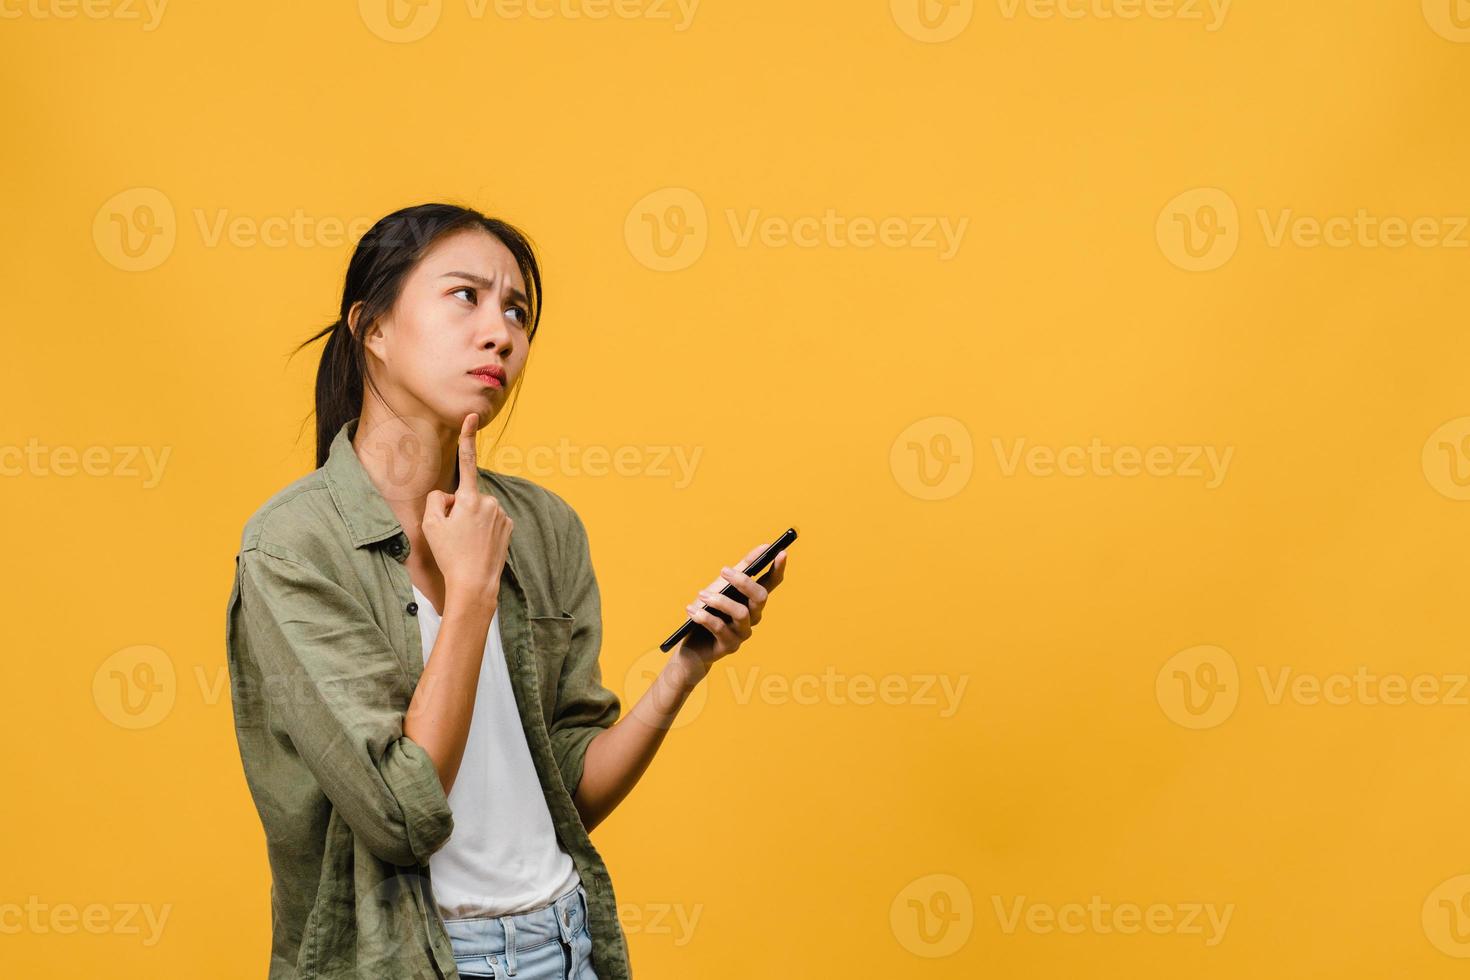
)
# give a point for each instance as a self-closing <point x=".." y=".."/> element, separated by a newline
<point x="464" y="289"/>
<point x="521" y="313"/>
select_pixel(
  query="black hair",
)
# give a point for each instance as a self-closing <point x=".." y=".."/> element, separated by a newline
<point x="384" y="257"/>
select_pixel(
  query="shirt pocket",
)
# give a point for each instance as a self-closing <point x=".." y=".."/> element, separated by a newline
<point x="551" y="638"/>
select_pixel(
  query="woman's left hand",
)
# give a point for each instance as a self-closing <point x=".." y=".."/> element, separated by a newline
<point x="699" y="649"/>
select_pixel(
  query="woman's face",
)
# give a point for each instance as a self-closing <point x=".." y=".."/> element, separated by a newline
<point x="462" y="308"/>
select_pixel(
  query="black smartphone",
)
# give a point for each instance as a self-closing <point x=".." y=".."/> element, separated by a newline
<point x="754" y="568"/>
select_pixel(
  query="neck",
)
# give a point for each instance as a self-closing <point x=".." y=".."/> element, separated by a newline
<point x="406" y="457"/>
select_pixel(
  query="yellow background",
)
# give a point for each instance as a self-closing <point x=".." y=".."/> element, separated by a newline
<point x="824" y="386"/>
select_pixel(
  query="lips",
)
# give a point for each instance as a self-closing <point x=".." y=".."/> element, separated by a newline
<point x="490" y="373"/>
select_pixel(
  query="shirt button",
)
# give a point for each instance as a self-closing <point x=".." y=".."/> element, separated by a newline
<point x="413" y="608"/>
<point x="395" y="549"/>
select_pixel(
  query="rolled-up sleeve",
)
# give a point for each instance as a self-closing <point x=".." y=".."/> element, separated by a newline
<point x="332" y="683"/>
<point x="584" y="706"/>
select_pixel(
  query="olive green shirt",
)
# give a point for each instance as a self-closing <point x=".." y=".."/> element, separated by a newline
<point x="324" y="655"/>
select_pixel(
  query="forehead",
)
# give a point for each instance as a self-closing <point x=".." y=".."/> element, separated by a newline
<point x="471" y="250"/>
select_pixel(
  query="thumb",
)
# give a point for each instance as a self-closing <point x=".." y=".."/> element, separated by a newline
<point x="436" y="504"/>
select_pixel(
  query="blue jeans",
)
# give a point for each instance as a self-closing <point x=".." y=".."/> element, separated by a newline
<point x="549" y="943"/>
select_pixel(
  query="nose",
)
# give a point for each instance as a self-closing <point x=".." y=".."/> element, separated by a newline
<point x="493" y="332"/>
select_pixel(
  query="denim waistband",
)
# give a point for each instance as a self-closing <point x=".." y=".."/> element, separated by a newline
<point x="561" y="918"/>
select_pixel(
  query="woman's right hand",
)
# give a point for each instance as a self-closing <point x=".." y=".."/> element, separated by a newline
<point x="468" y="531"/>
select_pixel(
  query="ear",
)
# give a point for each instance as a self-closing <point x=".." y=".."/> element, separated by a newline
<point x="374" y="339"/>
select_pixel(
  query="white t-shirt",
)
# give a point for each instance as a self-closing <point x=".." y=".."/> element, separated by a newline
<point x="503" y="856"/>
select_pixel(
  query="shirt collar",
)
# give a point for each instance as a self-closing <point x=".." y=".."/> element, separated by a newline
<point x="367" y="515"/>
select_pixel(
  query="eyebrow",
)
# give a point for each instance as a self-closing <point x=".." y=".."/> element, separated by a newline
<point x="484" y="283"/>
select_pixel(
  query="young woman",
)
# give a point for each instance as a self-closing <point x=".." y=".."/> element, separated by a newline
<point x="413" y="646"/>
